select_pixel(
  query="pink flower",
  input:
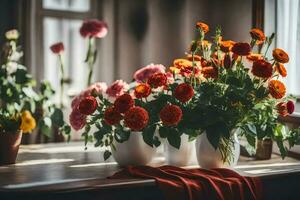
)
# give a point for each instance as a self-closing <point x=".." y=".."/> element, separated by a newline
<point x="170" y="78"/>
<point x="117" y="88"/>
<point x="93" y="28"/>
<point x="57" y="48"/>
<point x="77" y="120"/>
<point x="144" y="73"/>
<point x="98" y="88"/>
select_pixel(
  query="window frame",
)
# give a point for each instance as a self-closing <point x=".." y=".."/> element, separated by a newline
<point x="40" y="13"/>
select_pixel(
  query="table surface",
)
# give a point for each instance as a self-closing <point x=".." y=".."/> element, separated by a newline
<point x="67" y="167"/>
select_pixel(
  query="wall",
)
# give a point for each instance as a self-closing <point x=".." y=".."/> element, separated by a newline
<point x="160" y="30"/>
<point x="8" y="16"/>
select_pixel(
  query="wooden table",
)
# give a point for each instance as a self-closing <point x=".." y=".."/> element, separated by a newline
<point x="66" y="171"/>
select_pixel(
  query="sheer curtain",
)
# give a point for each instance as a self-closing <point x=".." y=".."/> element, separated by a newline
<point x="288" y="38"/>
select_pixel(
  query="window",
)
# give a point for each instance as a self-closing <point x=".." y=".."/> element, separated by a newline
<point x="283" y="18"/>
<point x="59" y="21"/>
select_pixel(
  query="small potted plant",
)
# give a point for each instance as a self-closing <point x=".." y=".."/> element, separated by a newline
<point x="21" y="108"/>
<point x="16" y="94"/>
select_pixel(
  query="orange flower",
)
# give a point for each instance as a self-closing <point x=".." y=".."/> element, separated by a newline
<point x="226" y="45"/>
<point x="280" y="56"/>
<point x="277" y="89"/>
<point x="254" y="57"/>
<point x="143" y="90"/>
<point x="204" y="27"/>
<point x="281" y="69"/>
<point x="181" y="62"/>
<point x="241" y="49"/>
<point x="257" y="35"/>
<point x="210" y="72"/>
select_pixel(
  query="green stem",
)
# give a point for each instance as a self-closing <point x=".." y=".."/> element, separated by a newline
<point x="62" y="77"/>
<point x="90" y="61"/>
<point x="267" y="50"/>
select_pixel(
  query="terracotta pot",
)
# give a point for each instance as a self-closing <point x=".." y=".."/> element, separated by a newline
<point x="264" y="149"/>
<point x="9" y="147"/>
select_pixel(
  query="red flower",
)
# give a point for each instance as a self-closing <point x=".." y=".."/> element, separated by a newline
<point x="241" y="49"/>
<point x="170" y="115"/>
<point x="136" y="118"/>
<point x="282" y="109"/>
<point x="77" y="120"/>
<point x="262" y="69"/>
<point x="93" y="28"/>
<point x="227" y="61"/>
<point x="290" y="107"/>
<point x="111" y="116"/>
<point x="210" y="72"/>
<point x="57" y="48"/>
<point x="157" y="80"/>
<point x="123" y="103"/>
<point x="88" y="105"/>
<point x="184" y="92"/>
<point x="143" y="90"/>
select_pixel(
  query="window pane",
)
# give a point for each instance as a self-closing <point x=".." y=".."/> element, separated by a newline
<point x="69" y="5"/>
<point x="66" y="31"/>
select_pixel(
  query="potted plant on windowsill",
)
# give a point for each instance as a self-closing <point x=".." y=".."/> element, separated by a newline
<point x="21" y="108"/>
<point x="235" y="80"/>
<point x="133" y="121"/>
<point x="16" y="95"/>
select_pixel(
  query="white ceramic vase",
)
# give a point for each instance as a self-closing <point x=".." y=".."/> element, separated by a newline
<point x="184" y="155"/>
<point x="134" y="151"/>
<point x="208" y="157"/>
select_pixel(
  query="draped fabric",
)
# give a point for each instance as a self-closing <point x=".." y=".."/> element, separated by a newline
<point x="288" y="38"/>
<point x="191" y="184"/>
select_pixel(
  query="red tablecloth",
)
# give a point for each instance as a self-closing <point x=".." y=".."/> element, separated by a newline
<point x="179" y="184"/>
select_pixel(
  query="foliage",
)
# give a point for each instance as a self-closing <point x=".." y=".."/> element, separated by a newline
<point x="17" y="94"/>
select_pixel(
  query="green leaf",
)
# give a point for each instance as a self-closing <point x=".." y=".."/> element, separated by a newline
<point x="251" y="140"/>
<point x="148" y="135"/>
<point x="251" y="128"/>
<point x="121" y="135"/>
<point x="58" y="117"/>
<point x="163" y="132"/>
<point x="213" y="134"/>
<point x="174" y="140"/>
<point x="22" y="76"/>
<point x="106" y="154"/>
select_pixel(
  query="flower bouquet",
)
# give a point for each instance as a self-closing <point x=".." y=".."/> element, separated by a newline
<point x="238" y="82"/>
<point x="153" y="106"/>
<point x="210" y="95"/>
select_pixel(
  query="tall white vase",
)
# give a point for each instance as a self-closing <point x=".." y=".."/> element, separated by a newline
<point x="182" y="156"/>
<point x="208" y="157"/>
<point x="134" y="151"/>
